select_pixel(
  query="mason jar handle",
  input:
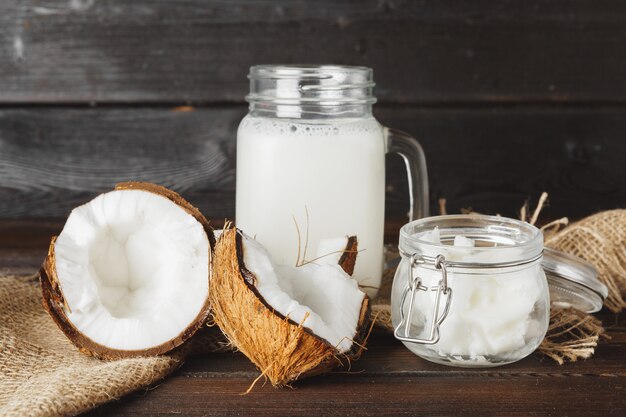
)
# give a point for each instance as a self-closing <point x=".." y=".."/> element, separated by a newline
<point x="411" y="152"/>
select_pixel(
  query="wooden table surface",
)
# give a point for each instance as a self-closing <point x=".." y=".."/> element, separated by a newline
<point x="387" y="381"/>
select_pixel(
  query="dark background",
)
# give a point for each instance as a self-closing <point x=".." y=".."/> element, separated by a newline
<point x="508" y="98"/>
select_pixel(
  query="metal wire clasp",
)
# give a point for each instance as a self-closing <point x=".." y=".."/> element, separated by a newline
<point x="415" y="284"/>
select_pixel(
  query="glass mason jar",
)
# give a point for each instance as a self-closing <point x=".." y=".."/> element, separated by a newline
<point x="470" y="290"/>
<point x="311" y="165"/>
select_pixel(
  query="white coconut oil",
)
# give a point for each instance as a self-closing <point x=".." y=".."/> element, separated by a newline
<point x="497" y="291"/>
<point x="299" y="182"/>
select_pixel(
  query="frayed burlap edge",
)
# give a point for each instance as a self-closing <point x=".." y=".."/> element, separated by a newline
<point x="572" y="335"/>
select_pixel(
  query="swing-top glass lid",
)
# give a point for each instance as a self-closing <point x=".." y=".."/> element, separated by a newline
<point x="573" y="282"/>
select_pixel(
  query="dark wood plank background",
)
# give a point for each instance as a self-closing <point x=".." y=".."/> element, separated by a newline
<point x="508" y="98"/>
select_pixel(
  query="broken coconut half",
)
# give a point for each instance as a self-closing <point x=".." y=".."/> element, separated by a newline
<point x="290" y="321"/>
<point x="129" y="273"/>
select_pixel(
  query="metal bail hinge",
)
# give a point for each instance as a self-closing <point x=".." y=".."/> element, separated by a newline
<point x="415" y="284"/>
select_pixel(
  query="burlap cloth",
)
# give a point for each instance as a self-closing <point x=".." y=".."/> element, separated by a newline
<point x="43" y="374"/>
<point x="601" y="240"/>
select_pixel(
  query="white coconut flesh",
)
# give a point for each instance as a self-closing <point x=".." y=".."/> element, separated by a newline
<point x="133" y="267"/>
<point x="330" y="251"/>
<point x="321" y="297"/>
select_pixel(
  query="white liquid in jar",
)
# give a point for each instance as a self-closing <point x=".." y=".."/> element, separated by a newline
<point x="334" y="171"/>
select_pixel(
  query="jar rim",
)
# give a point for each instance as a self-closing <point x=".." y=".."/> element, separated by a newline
<point x="519" y="240"/>
<point x="315" y="71"/>
<point x="312" y="87"/>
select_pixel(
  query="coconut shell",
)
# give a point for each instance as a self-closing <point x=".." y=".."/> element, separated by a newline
<point x="347" y="261"/>
<point x="282" y="349"/>
<point x="175" y="198"/>
<point x="54" y="301"/>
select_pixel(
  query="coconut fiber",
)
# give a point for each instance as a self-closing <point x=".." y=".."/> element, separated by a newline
<point x="43" y="374"/>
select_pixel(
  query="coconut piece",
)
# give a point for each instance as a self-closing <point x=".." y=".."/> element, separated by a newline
<point x="340" y="251"/>
<point x="129" y="273"/>
<point x="290" y="321"/>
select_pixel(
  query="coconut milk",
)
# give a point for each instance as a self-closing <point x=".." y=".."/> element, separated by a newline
<point x="327" y="177"/>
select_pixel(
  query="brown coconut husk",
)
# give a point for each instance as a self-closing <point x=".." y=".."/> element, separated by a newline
<point x="282" y="349"/>
<point x="54" y="301"/>
<point x="347" y="261"/>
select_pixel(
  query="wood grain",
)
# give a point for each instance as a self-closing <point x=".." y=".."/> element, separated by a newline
<point x="491" y="159"/>
<point x="54" y="159"/>
<point x="423" y="52"/>
<point x="358" y="395"/>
